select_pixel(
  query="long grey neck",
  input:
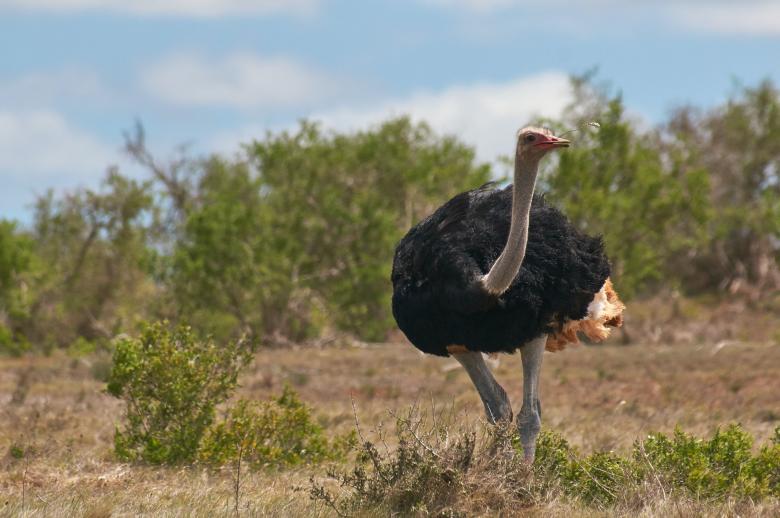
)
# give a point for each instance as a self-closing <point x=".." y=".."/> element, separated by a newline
<point x="505" y="269"/>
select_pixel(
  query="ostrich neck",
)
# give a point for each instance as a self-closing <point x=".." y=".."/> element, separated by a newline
<point x="505" y="269"/>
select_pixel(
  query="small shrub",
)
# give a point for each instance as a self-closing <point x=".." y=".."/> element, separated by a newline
<point x="554" y="456"/>
<point x="81" y="347"/>
<point x="274" y="433"/>
<point x="602" y="478"/>
<point x="171" y="383"/>
<point x="765" y="467"/>
<point x="100" y="366"/>
<point x="12" y="344"/>
<point x="16" y="451"/>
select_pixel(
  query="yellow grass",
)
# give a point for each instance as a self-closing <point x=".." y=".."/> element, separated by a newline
<point x="597" y="397"/>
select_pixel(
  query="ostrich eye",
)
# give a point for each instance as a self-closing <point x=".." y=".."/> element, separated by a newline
<point x="530" y="138"/>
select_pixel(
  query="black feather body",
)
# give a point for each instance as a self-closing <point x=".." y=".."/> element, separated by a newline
<point x="437" y="297"/>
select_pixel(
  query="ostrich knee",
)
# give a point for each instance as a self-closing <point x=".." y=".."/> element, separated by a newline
<point x="494" y="397"/>
<point x="498" y="408"/>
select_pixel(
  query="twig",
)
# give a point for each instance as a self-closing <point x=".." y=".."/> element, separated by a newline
<point x="238" y="474"/>
<point x="652" y="468"/>
<point x="433" y="411"/>
<point x="24" y="481"/>
<point x="367" y="446"/>
<point x="354" y="413"/>
<point x="594" y="479"/>
<point x="380" y="431"/>
<point x="413" y="431"/>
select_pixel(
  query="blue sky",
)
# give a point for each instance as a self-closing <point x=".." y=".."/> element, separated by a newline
<point x="75" y="73"/>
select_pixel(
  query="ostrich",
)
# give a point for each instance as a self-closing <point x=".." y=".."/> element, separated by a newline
<point x="497" y="270"/>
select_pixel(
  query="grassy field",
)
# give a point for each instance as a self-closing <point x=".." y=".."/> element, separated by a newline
<point x="56" y="431"/>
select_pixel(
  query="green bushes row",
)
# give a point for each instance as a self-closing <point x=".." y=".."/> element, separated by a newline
<point x="722" y="466"/>
<point x="172" y="383"/>
<point x="434" y="472"/>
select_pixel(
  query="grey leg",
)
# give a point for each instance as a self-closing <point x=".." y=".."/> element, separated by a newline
<point x="497" y="406"/>
<point x="529" y="421"/>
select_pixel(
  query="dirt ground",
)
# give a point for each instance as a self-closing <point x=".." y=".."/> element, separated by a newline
<point x="600" y="398"/>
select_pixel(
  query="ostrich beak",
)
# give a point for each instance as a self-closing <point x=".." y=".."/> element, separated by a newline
<point x="554" y="142"/>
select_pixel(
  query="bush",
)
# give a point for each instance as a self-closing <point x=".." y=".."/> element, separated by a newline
<point x="171" y="383"/>
<point x="722" y="466"/>
<point x="11" y="344"/>
<point x="275" y="433"/>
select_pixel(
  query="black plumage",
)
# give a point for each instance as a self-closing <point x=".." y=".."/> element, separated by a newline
<point x="437" y="297"/>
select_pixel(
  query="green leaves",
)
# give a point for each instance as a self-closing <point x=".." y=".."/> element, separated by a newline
<point x="18" y="266"/>
<point x="276" y="433"/>
<point x="616" y="182"/>
<point x="719" y="467"/>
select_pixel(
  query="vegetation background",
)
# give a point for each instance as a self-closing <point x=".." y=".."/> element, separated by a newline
<point x="293" y="240"/>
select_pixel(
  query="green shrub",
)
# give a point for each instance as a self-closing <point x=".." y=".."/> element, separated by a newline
<point x="766" y="467"/>
<point x="720" y="467"/>
<point x="171" y="383"/>
<point x="598" y="478"/>
<point x="275" y="433"/>
<point x="11" y="344"/>
<point x="16" y="451"/>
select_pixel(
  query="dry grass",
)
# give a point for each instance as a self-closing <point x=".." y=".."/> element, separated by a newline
<point x="54" y="411"/>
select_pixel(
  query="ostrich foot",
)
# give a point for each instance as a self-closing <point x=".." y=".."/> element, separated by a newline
<point x="529" y="422"/>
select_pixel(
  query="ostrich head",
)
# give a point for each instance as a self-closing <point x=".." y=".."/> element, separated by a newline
<point x="533" y="143"/>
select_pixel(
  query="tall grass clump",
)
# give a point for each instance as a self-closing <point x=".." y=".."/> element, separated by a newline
<point x="430" y="471"/>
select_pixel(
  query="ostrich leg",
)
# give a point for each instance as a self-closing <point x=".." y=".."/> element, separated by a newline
<point x="497" y="406"/>
<point x="529" y="420"/>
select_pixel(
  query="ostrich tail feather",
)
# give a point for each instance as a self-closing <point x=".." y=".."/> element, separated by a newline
<point x="604" y="312"/>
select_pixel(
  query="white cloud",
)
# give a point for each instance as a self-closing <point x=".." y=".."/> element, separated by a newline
<point x="45" y="88"/>
<point x="196" y="8"/>
<point x="475" y="5"/>
<point x="759" y="18"/>
<point x="41" y="145"/>
<point x="238" y="80"/>
<point x="746" y="17"/>
<point x="486" y="115"/>
<point x="486" y="6"/>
